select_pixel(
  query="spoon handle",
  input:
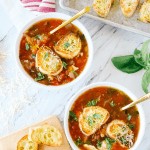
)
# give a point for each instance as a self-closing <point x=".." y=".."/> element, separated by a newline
<point x="79" y="14"/>
<point x="143" y="98"/>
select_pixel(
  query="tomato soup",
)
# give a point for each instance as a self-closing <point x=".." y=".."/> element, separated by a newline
<point x="111" y="100"/>
<point x="37" y="37"/>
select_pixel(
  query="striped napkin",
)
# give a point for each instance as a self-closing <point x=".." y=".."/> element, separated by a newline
<point x="44" y="6"/>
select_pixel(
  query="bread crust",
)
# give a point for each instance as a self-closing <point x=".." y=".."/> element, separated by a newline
<point x="25" y="144"/>
<point x="46" y="134"/>
<point x="92" y="119"/>
<point x="68" y="46"/>
<point x="128" y="7"/>
<point x="102" y="7"/>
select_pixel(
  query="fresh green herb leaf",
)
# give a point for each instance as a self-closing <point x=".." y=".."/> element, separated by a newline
<point x="138" y="57"/>
<point x="109" y="143"/>
<point x="92" y="102"/>
<point x="126" y="64"/>
<point x="146" y="81"/>
<point x="75" y="73"/>
<point x="66" y="45"/>
<point x="97" y="116"/>
<point x="27" y="46"/>
<point x="131" y="126"/>
<point x="112" y="104"/>
<point x="33" y="56"/>
<point x="90" y="121"/>
<point x="46" y="55"/>
<point x="64" y="64"/>
<point x="38" y="36"/>
<point x="123" y="140"/>
<point x="145" y="52"/>
<point x="78" y="141"/>
<point x="40" y="76"/>
<point x="99" y="144"/>
<point x="73" y="116"/>
<point x="129" y="117"/>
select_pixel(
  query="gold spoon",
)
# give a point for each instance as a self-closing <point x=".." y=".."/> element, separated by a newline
<point x="79" y="14"/>
<point x="141" y="99"/>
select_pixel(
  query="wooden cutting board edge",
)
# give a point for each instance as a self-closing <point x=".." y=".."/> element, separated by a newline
<point x="52" y="120"/>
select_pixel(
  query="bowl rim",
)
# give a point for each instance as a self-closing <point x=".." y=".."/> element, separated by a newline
<point x="106" y="84"/>
<point x="62" y="16"/>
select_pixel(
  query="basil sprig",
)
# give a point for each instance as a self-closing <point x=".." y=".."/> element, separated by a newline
<point x="134" y="63"/>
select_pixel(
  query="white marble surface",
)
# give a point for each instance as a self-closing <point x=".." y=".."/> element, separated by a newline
<point x="20" y="107"/>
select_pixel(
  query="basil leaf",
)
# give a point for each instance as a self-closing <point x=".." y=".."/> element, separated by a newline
<point x="126" y="64"/>
<point x="99" y="144"/>
<point x="40" y="76"/>
<point x="78" y="141"/>
<point x="146" y="81"/>
<point x="93" y="102"/>
<point x="145" y="50"/>
<point x="138" y="57"/>
<point x="73" y="116"/>
<point x="27" y="46"/>
<point x="109" y="143"/>
<point x="64" y="64"/>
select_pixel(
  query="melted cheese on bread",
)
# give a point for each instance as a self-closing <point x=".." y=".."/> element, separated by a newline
<point x="128" y="7"/>
<point x="68" y="46"/>
<point x="48" y="62"/>
<point x="92" y="118"/>
<point x="25" y="144"/>
<point x="102" y="7"/>
<point x="46" y="134"/>
<point x="145" y="12"/>
<point x="119" y="131"/>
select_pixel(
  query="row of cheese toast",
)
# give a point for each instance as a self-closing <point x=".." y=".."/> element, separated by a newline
<point x="128" y="7"/>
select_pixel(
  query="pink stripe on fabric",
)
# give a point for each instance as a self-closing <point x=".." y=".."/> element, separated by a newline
<point x="46" y="9"/>
<point x="40" y="5"/>
<point x="28" y="1"/>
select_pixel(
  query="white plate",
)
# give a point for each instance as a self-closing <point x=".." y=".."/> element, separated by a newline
<point x="115" y="17"/>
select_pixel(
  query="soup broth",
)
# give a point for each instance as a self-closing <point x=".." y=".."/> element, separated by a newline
<point x="112" y="100"/>
<point x="38" y="36"/>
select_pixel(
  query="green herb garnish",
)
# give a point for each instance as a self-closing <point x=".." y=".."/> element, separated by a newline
<point x="75" y="73"/>
<point x="97" y="116"/>
<point x="112" y="104"/>
<point x="99" y="144"/>
<point x="33" y="56"/>
<point x="66" y="45"/>
<point x="27" y="46"/>
<point x="78" y="141"/>
<point x="109" y="143"/>
<point x="90" y="121"/>
<point x="64" y="64"/>
<point x="40" y="76"/>
<point x="38" y="36"/>
<point x="92" y="102"/>
<point x="133" y="63"/>
<point x="129" y="117"/>
<point x="72" y="116"/>
<point x="46" y="55"/>
<point x="131" y="126"/>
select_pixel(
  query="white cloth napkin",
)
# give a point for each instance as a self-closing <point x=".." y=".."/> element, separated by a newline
<point x="18" y="10"/>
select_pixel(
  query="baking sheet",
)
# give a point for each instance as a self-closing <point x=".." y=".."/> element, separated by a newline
<point x="10" y="142"/>
<point x="115" y="17"/>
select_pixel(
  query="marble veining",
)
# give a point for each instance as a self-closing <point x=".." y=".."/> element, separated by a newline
<point x="22" y="106"/>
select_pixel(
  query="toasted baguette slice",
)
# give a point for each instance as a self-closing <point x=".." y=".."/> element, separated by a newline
<point x="119" y="131"/>
<point x="92" y="118"/>
<point x="128" y="7"/>
<point x="48" y="62"/>
<point x="102" y="7"/>
<point x="25" y="144"/>
<point x="145" y="12"/>
<point x="89" y="147"/>
<point x="68" y="46"/>
<point x="46" y="134"/>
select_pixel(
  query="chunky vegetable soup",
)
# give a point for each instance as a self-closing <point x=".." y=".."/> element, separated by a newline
<point x="53" y="59"/>
<point x="96" y="122"/>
